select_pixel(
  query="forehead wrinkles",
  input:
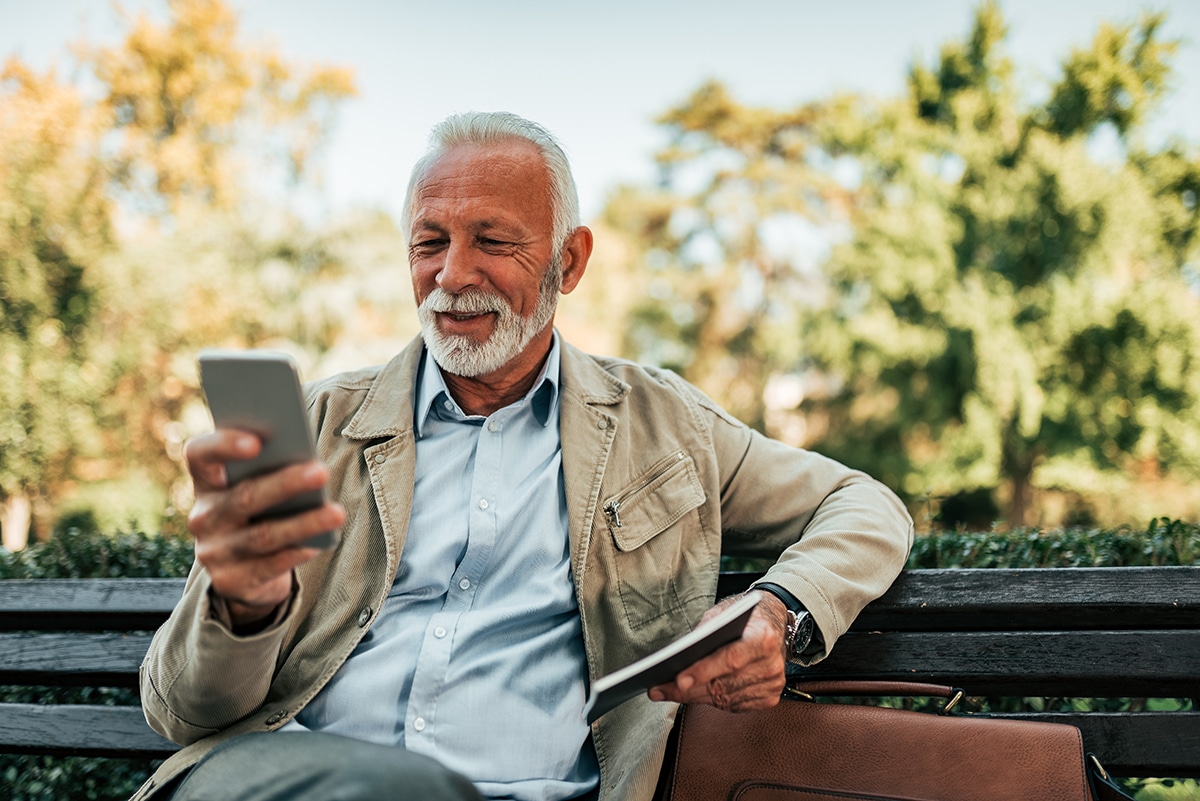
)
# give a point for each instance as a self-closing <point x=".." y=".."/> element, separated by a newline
<point x="498" y="181"/>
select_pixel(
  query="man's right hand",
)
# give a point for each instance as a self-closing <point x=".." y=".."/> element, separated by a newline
<point x="251" y="564"/>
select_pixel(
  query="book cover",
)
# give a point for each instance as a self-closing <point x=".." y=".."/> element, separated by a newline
<point x="666" y="663"/>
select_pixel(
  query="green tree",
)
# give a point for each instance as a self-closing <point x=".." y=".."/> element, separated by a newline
<point x="722" y="289"/>
<point x="195" y="140"/>
<point x="54" y="220"/>
<point x="981" y="293"/>
<point x="201" y="117"/>
<point x="1013" y="309"/>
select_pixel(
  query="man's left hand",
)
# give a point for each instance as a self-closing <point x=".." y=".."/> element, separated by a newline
<point x="744" y="675"/>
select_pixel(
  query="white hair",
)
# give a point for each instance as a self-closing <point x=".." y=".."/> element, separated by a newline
<point x="489" y="128"/>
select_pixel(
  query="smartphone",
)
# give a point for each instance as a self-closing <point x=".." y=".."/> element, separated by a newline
<point x="259" y="391"/>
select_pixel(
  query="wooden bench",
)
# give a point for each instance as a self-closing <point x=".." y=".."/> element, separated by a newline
<point x="1076" y="633"/>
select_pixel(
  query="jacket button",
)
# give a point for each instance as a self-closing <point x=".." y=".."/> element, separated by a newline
<point x="278" y="716"/>
<point x="380" y="458"/>
<point x="602" y="424"/>
<point x="364" y="616"/>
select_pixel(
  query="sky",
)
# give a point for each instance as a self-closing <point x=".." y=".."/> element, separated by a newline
<point x="597" y="74"/>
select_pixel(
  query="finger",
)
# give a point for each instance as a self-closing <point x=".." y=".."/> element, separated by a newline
<point x="736" y="693"/>
<point x="726" y="677"/>
<point x="222" y="510"/>
<point x="207" y="454"/>
<point x="251" y="497"/>
<point x="253" y="566"/>
<point x="267" y="538"/>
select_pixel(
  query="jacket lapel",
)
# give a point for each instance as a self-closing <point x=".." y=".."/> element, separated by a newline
<point x="589" y="426"/>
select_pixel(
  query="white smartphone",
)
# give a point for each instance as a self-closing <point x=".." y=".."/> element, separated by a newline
<point x="259" y="391"/>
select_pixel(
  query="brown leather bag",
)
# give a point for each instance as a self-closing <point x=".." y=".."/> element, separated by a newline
<point x="801" y="750"/>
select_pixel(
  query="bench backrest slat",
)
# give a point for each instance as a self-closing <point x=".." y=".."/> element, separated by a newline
<point x="1029" y="599"/>
<point x="1161" y="664"/>
<point x="87" y="604"/>
<point x="80" y="730"/>
<point x="105" y="659"/>
<point x="1136" y="743"/>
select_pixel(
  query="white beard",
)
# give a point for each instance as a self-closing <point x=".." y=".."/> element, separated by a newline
<point x="460" y="355"/>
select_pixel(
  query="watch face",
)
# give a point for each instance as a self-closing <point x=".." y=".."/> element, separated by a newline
<point x="800" y="632"/>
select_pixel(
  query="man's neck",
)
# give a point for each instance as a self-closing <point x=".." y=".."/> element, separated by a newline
<point x="485" y="394"/>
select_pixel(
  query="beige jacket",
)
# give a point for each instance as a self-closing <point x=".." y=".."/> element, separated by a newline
<point x="691" y="481"/>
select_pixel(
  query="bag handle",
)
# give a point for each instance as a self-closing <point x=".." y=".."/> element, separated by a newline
<point x="813" y="689"/>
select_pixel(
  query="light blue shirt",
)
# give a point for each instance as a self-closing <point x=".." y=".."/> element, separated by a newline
<point x="477" y="658"/>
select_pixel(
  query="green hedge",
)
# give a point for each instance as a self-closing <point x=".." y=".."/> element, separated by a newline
<point x="81" y="553"/>
<point x="1162" y="542"/>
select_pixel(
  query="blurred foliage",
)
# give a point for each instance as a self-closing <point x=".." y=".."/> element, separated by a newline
<point x="33" y="778"/>
<point x="75" y="552"/>
<point x="196" y="115"/>
<point x="54" y="222"/>
<point x="1163" y="542"/>
<point x="957" y="290"/>
<point x="149" y="207"/>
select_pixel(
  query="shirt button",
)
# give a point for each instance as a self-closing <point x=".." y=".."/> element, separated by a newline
<point x="380" y="458"/>
<point x="419" y="724"/>
<point x="439" y="632"/>
<point x="448" y="406"/>
<point x="493" y="426"/>
<point x="483" y="504"/>
<point x="602" y="424"/>
<point x="364" y="616"/>
<point x="464" y="584"/>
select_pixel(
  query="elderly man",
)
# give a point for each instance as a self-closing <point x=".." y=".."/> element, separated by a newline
<point x="517" y="519"/>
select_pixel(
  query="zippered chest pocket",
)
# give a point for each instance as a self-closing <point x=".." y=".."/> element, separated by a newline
<point x="654" y="502"/>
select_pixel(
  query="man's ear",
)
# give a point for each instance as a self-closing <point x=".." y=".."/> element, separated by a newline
<point x="575" y="254"/>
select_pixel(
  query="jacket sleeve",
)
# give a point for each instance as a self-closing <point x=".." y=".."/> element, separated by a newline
<point x="841" y="537"/>
<point x="198" y="677"/>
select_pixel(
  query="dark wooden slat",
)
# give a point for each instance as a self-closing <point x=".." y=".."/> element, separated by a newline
<point x="80" y="730"/>
<point x="1029" y="599"/>
<point x="1136" y="743"/>
<point x="87" y="604"/>
<point x="90" y="660"/>
<point x="1091" y="663"/>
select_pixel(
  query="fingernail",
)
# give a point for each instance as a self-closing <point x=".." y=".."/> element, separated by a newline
<point x="245" y="444"/>
<point x="685" y="682"/>
<point x="657" y="695"/>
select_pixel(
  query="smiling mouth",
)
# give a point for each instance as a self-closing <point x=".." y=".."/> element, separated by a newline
<point x="464" y="317"/>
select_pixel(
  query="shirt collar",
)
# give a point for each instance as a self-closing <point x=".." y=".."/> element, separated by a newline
<point x="432" y="392"/>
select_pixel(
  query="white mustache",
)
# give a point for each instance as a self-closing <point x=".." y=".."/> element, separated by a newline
<point x="470" y="301"/>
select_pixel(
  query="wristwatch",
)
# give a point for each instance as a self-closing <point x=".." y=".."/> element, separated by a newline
<point x="800" y="626"/>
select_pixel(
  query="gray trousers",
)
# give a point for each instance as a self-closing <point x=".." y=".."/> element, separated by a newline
<point x="302" y="766"/>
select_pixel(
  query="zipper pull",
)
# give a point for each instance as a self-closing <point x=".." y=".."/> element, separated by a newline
<point x="612" y="510"/>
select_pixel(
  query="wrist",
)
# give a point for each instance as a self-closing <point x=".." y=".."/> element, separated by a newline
<point x="800" y="625"/>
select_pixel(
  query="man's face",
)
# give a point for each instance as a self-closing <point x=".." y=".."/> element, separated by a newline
<point x="485" y="274"/>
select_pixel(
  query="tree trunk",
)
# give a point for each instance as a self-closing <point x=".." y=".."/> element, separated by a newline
<point x="1022" y="498"/>
<point x="15" y="518"/>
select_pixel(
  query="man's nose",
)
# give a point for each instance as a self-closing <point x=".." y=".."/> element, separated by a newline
<point x="459" y="270"/>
